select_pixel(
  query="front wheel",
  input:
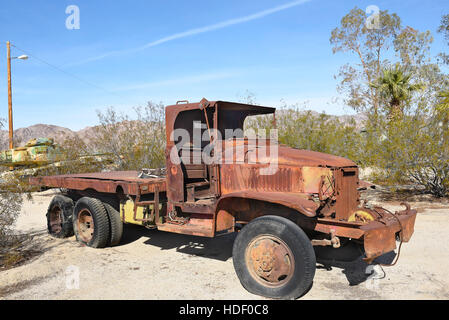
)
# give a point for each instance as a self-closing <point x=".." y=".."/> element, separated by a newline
<point x="274" y="258"/>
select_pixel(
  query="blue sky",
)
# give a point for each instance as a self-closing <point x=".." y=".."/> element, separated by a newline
<point x="134" y="51"/>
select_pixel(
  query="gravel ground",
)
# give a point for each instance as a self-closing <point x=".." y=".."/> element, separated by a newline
<point x="150" y="264"/>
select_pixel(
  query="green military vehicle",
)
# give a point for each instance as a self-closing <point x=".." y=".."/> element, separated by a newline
<point x="36" y="152"/>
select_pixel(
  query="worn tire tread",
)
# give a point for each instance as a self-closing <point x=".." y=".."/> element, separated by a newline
<point x="115" y="224"/>
<point x="100" y="238"/>
<point x="67" y="205"/>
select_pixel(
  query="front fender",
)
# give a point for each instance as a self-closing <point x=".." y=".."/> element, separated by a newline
<point x="296" y="201"/>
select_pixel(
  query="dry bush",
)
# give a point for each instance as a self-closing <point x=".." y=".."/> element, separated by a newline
<point x="119" y="142"/>
<point x="414" y="151"/>
<point x="311" y="131"/>
<point x="133" y="143"/>
<point x="10" y="204"/>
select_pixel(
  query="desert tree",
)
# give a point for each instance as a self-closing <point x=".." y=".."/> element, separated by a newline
<point x="368" y="45"/>
<point x="395" y="76"/>
<point x="444" y="29"/>
<point x="375" y="48"/>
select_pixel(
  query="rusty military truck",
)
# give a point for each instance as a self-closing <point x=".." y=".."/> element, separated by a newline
<point x="306" y="199"/>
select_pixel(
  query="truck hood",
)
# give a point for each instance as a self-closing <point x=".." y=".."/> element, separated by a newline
<point x="285" y="155"/>
<point x="307" y="158"/>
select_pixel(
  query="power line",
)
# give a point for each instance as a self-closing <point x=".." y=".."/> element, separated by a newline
<point x="61" y="70"/>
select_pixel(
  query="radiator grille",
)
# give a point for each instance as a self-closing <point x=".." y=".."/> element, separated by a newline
<point x="347" y="198"/>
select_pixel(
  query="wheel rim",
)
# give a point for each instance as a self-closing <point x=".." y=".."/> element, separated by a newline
<point x="56" y="220"/>
<point x="269" y="261"/>
<point x="85" y="224"/>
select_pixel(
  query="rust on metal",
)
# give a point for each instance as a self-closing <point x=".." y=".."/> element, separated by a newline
<point x="270" y="261"/>
<point x="107" y="182"/>
<point x="293" y="200"/>
<point x="85" y="224"/>
<point x="334" y="241"/>
<point x="55" y="219"/>
<point x="380" y="236"/>
<point x="225" y="221"/>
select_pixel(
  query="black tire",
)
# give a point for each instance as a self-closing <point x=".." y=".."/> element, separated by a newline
<point x="93" y="210"/>
<point x="301" y="258"/>
<point x="59" y="217"/>
<point x="115" y="224"/>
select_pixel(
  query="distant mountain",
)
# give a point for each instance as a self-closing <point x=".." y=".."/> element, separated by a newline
<point x="22" y="135"/>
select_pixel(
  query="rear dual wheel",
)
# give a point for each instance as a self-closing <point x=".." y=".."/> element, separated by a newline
<point x="91" y="223"/>
<point x="96" y="224"/>
<point x="115" y="224"/>
<point x="59" y="217"/>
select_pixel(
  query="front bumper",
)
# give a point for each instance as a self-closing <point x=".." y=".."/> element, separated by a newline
<point x="380" y="235"/>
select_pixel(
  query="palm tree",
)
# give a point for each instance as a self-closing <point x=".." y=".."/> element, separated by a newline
<point x="395" y="87"/>
<point x="442" y="107"/>
<point x="443" y="103"/>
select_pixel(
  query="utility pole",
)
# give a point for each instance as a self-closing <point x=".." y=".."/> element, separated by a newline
<point x="8" y="48"/>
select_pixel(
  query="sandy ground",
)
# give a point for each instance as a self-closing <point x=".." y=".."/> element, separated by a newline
<point x="150" y="264"/>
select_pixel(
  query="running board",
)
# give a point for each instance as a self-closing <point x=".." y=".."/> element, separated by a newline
<point x="194" y="227"/>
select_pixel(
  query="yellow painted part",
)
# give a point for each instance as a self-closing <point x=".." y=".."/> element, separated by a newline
<point x="365" y="215"/>
<point x="128" y="207"/>
<point x="312" y="177"/>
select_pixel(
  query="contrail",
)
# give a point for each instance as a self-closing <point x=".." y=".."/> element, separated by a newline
<point x="188" y="33"/>
<point x="224" y="24"/>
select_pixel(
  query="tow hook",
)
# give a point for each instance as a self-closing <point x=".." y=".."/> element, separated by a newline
<point x="334" y="241"/>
